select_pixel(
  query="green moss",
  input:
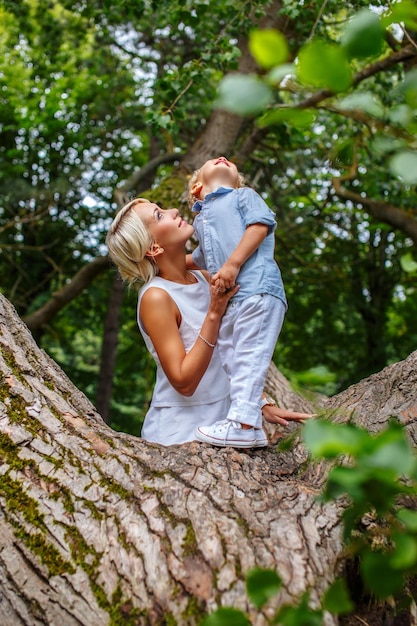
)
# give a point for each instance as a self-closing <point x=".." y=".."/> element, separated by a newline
<point x="169" y="620"/>
<point x="195" y="609"/>
<point x="18" y="500"/>
<point x="17" y="409"/>
<point x="189" y="543"/>
<point x="95" y="513"/>
<point x="47" y="554"/>
<point x="10" y="361"/>
<point x="123" y="612"/>
<point x="116" y="488"/>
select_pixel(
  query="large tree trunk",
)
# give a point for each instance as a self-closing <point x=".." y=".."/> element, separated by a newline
<point x="100" y="528"/>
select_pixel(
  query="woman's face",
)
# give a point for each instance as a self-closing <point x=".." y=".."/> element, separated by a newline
<point x="166" y="226"/>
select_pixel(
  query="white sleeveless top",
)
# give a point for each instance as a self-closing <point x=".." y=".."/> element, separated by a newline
<point x="172" y="416"/>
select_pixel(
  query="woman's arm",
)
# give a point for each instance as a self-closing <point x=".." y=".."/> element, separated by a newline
<point x="275" y="415"/>
<point x="161" y="320"/>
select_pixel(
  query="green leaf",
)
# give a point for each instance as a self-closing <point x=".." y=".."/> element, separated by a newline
<point x="379" y="576"/>
<point x="404" y="166"/>
<point x="324" y="65"/>
<point x="279" y="72"/>
<point x="364" y="35"/>
<point x="323" y="438"/>
<point x="343" y="152"/>
<point x="337" y="600"/>
<point x="226" y="617"/>
<point x="294" y="117"/>
<point x="382" y="144"/>
<point x="401" y="115"/>
<point x="408" y="88"/>
<point x="261" y="585"/>
<point x="299" y="615"/>
<point x="366" y="102"/>
<point x="408" y="518"/>
<point x="408" y="264"/>
<point x="243" y="94"/>
<point x="404" y="555"/>
<point x="268" y="47"/>
<point x="392" y="451"/>
<point x="401" y="12"/>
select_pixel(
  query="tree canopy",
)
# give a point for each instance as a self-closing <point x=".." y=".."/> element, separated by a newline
<point x="316" y="102"/>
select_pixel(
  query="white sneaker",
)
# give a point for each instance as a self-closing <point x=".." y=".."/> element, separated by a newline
<point x="261" y="439"/>
<point x="226" y="433"/>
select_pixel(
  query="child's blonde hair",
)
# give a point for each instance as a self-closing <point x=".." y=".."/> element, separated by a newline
<point x="194" y="179"/>
<point x="128" y="241"/>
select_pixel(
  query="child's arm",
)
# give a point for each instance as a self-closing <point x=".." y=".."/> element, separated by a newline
<point x="189" y="263"/>
<point x="253" y="236"/>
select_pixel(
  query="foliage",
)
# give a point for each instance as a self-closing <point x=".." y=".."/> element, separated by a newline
<point x="376" y="476"/>
<point x="91" y="91"/>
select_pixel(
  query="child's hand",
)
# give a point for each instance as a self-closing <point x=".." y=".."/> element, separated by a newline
<point x="225" y="278"/>
<point x="220" y="299"/>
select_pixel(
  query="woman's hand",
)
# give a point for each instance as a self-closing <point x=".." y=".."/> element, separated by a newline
<point x="220" y="299"/>
<point x="275" y="415"/>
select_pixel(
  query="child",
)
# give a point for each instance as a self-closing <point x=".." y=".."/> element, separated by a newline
<point x="235" y="230"/>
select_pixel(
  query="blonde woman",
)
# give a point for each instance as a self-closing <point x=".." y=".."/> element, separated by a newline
<point x="179" y="316"/>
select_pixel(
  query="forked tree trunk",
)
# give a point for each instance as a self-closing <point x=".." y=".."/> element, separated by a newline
<point x="100" y="528"/>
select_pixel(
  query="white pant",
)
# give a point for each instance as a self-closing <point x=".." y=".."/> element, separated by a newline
<point x="248" y="334"/>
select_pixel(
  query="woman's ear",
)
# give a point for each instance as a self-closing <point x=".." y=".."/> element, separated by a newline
<point x="196" y="190"/>
<point x="154" y="250"/>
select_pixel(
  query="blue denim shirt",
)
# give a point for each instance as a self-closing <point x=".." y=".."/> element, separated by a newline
<point x="219" y="226"/>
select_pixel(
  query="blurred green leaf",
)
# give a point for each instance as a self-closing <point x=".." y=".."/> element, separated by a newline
<point x="337" y="600"/>
<point x="379" y="576"/>
<point x="294" y="117"/>
<point x="408" y="518"/>
<point x="408" y="88"/>
<point x="401" y="115"/>
<point x="366" y="102"/>
<point x="261" y="585"/>
<point x="324" y="65"/>
<point x="268" y="47"/>
<point x="404" y="555"/>
<point x="391" y="450"/>
<point x="401" y="12"/>
<point x="381" y="144"/>
<point x="226" y="617"/>
<point x="243" y="94"/>
<point x="299" y="615"/>
<point x="408" y="264"/>
<point x="279" y="72"/>
<point x="343" y="152"/>
<point x="323" y="438"/>
<point x="404" y="166"/>
<point x="364" y="35"/>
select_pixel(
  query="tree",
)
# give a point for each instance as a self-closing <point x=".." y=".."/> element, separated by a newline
<point x="99" y="527"/>
<point x="139" y="91"/>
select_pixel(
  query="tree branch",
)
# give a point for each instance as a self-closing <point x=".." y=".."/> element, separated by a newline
<point x="405" y="54"/>
<point x="61" y="298"/>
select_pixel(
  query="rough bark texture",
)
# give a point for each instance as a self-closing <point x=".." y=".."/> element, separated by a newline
<point x="100" y="528"/>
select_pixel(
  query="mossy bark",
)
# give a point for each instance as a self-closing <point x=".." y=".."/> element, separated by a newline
<point x="101" y="528"/>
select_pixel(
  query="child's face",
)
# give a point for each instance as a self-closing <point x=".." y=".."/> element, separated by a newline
<point x="219" y="170"/>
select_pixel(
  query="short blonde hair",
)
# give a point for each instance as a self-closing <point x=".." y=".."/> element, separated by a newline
<point x="194" y="178"/>
<point x="128" y="241"/>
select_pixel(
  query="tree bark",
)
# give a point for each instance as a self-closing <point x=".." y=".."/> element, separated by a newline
<point x="100" y="528"/>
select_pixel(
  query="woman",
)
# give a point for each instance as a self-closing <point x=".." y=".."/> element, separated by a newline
<point x="179" y="316"/>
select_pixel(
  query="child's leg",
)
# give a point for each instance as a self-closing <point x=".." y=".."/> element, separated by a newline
<point x="255" y="332"/>
<point x="246" y="342"/>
